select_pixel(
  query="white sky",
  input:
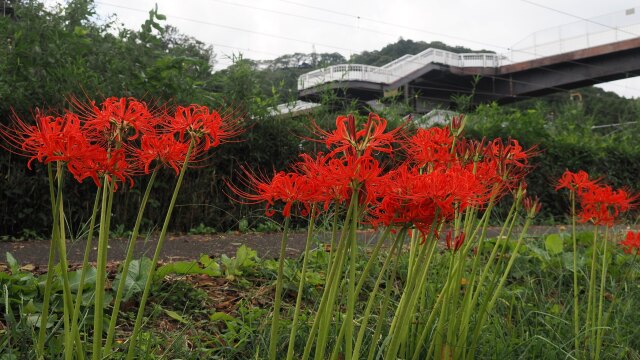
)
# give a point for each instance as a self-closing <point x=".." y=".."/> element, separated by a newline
<point x="265" y="29"/>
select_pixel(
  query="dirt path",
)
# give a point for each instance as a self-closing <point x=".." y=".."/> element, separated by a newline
<point x="180" y="247"/>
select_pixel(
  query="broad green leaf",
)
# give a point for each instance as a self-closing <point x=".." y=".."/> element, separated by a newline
<point x="136" y="277"/>
<point x="89" y="279"/>
<point x="554" y="244"/>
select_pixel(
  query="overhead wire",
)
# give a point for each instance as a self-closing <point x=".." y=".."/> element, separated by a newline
<point x="378" y="21"/>
<point x="332" y="22"/>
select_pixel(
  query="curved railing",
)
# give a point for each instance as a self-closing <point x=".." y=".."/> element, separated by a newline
<point x="396" y="69"/>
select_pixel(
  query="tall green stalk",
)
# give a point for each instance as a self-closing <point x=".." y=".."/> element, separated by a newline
<point x="576" y="310"/>
<point x="275" y="321"/>
<point x="103" y="238"/>
<point x="44" y="316"/>
<point x="488" y="306"/>
<point x="372" y="296"/>
<point x="591" y="295"/>
<point x="60" y="239"/>
<point x="83" y="274"/>
<point x="303" y="276"/>
<point x="156" y="255"/>
<point x="603" y="278"/>
<point x="127" y="262"/>
<point x="351" y="292"/>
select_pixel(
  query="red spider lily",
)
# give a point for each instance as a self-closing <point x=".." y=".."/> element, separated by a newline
<point x="198" y="122"/>
<point x="329" y="182"/>
<point x="289" y="188"/>
<point x="575" y="181"/>
<point x="98" y="163"/>
<point x="429" y="146"/>
<point x="454" y="243"/>
<point x="115" y="117"/>
<point x="50" y="139"/>
<point x="631" y="243"/>
<point x="335" y="179"/>
<point x="372" y="137"/>
<point x="404" y="196"/>
<point x="164" y="149"/>
<point x="599" y="204"/>
<point x="511" y="159"/>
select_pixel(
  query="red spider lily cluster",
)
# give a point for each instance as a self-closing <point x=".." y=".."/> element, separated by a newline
<point x="599" y="204"/>
<point x="442" y="174"/>
<point x="631" y="243"/>
<point x="120" y="138"/>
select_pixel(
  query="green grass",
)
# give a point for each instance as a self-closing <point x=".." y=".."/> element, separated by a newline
<point x="197" y="315"/>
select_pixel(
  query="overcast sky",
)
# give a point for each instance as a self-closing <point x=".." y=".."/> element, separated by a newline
<point x="265" y="29"/>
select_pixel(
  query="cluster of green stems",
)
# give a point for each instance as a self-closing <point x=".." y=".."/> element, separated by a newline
<point x="403" y="319"/>
<point x="73" y="341"/>
<point x="588" y="340"/>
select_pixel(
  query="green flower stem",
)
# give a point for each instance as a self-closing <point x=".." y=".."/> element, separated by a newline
<point x="382" y="317"/>
<point x="44" y="317"/>
<point x="468" y="304"/>
<point x="589" y="326"/>
<point x="363" y="277"/>
<point x="432" y="316"/>
<point x="334" y="235"/>
<point x="85" y="269"/>
<point x="321" y="323"/>
<point x="603" y="277"/>
<point x="330" y="280"/>
<point x="303" y="276"/>
<point x="398" y="328"/>
<point x="325" y="313"/>
<point x="275" y="321"/>
<point x="486" y="307"/>
<point x="103" y="238"/>
<point x="60" y="239"/>
<point x="372" y="296"/>
<point x="156" y="255"/>
<point x="508" y="224"/>
<point x="351" y="292"/>
<point x="576" y="309"/>
<point x="127" y="262"/>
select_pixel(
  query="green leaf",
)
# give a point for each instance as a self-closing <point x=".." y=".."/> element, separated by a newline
<point x="136" y="277"/>
<point x="554" y="244"/>
<point x="245" y="256"/>
<point x="541" y="254"/>
<point x="89" y="279"/>
<point x="175" y="316"/>
<point x="189" y="268"/>
<point x="220" y="316"/>
<point x="13" y="263"/>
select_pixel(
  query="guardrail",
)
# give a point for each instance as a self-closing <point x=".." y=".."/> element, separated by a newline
<point x="395" y="69"/>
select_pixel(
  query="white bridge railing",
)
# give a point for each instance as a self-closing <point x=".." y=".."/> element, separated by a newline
<point x="605" y="29"/>
<point x="396" y="69"/>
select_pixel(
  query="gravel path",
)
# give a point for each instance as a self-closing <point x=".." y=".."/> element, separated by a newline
<point x="180" y="247"/>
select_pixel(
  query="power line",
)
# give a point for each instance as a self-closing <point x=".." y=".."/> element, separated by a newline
<point x="577" y="17"/>
<point x="305" y="17"/>
<point x="326" y="45"/>
<point x="229" y="27"/>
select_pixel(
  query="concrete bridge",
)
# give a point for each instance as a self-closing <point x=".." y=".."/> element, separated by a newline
<point x="575" y="55"/>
